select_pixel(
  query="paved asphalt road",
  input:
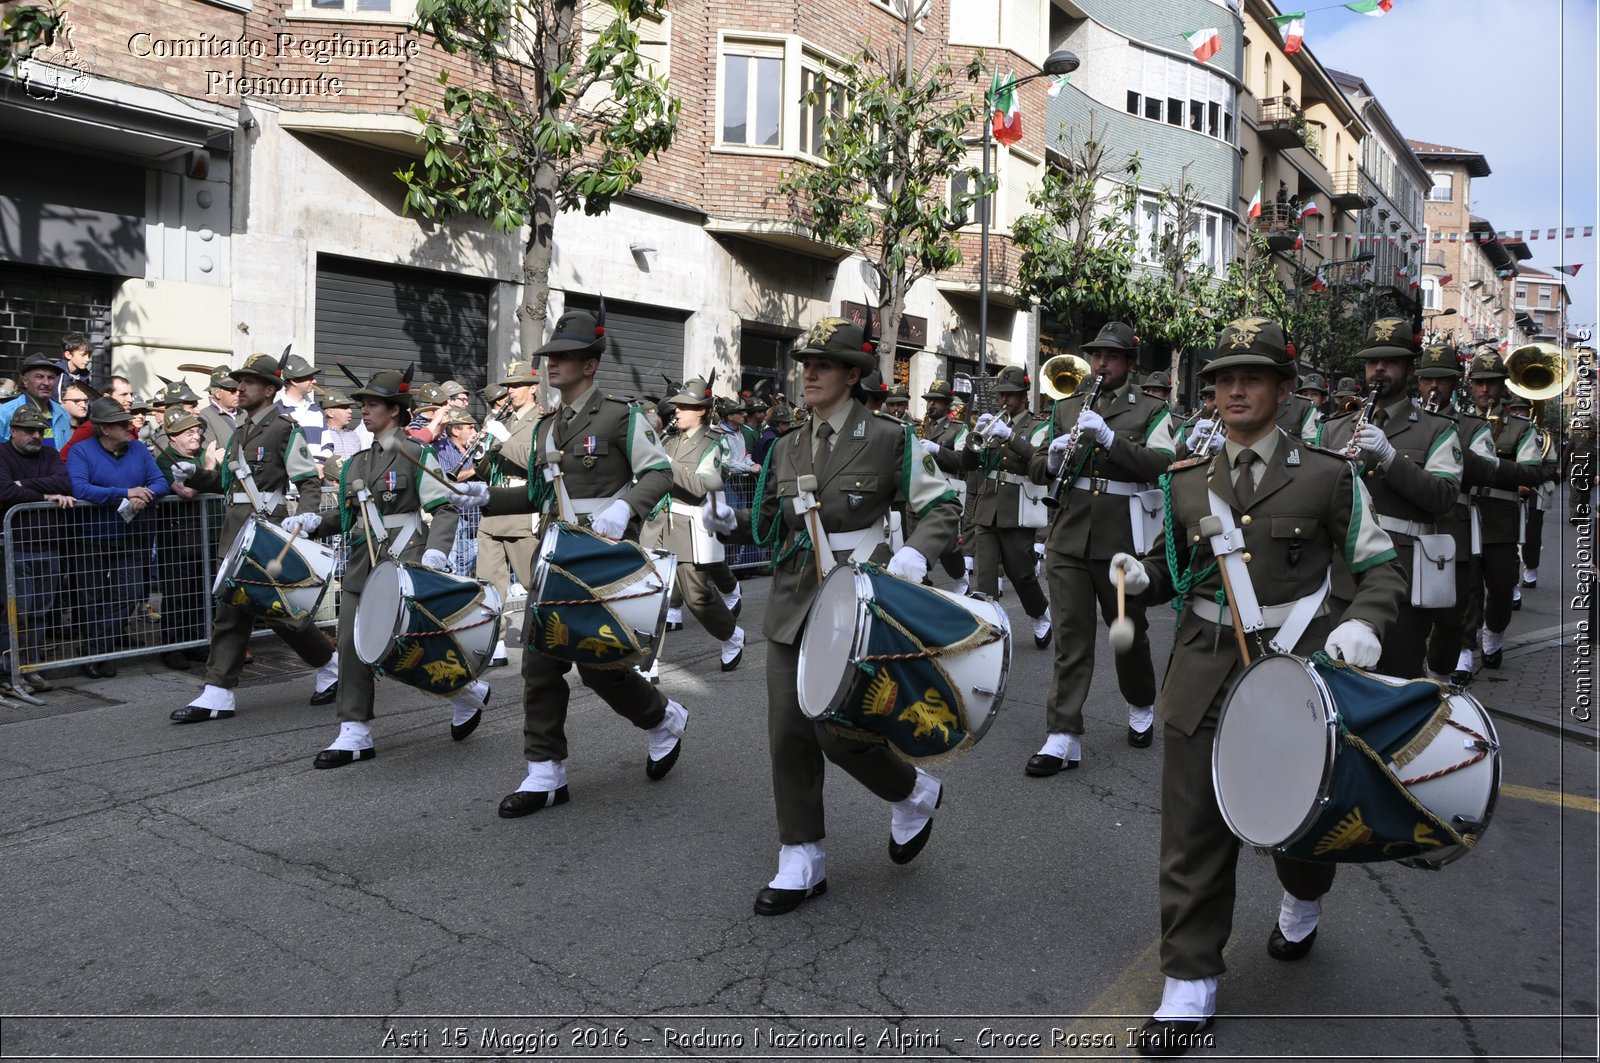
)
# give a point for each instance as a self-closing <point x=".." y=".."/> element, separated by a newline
<point x="202" y="892"/>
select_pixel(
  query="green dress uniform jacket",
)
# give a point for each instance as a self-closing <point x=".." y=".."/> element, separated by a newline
<point x="1299" y="417"/>
<point x="694" y="455"/>
<point x="398" y="487"/>
<point x="1500" y="507"/>
<point x="952" y="438"/>
<point x="1002" y="469"/>
<point x="508" y="467"/>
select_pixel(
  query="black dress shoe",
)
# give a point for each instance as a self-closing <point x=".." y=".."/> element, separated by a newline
<point x="1492" y="660"/>
<point x="674" y="625"/>
<point x="326" y="697"/>
<point x="527" y="802"/>
<point x="728" y="666"/>
<point x="195" y="714"/>
<point x="1043" y="765"/>
<point x="1529" y="583"/>
<point x="1460" y="678"/>
<point x="1516" y="605"/>
<point x="904" y="854"/>
<point x="499" y="662"/>
<point x="175" y="660"/>
<point x="1169" y="1037"/>
<point x="1281" y="948"/>
<point x="1141" y="739"/>
<point x="656" y="770"/>
<point x="458" y="731"/>
<point x="338" y="758"/>
<point x="776" y="902"/>
<point x="1043" y="641"/>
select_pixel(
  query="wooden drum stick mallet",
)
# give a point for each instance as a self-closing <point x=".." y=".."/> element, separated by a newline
<point x="1210" y="527"/>
<point x="1121" y="634"/>
<point x="807" y="504"/>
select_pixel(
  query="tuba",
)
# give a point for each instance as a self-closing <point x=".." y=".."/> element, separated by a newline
<point x="1062" y="375"/>
<point x="1539" y="371"/>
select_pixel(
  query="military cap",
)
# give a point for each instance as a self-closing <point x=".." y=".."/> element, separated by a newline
<point x="1252" y="341"/>
<point x="1440" y="361"/>
<point x="843" y="341"/>
<point x="222" y="377"/>
<point x="493" y="393"/>
<point x="782" y="413"/>
<point x="139" y="405"/>
<point x="30" y="416"/>
<point x="177" y="391"/>
<point x="39" y="361"/>
<point x="939" y="389"/>
<point x="387" y="385"/>
<point x="1347" y="386"/>
<point x="262" y="366"/>
<point x="459" y="416"/>
<point x="577" y="331"/>
<point x="518" y="373"/>
<point x="297" y="368"/>
<point x="872" y="384"/>
<point x="109" y="411"/>
<point x="1390" y="337"/>
<point x="1115" y="336"/>
<point x="1518" y="402"/>
<point x="430" y="394"/>
<point x="178" y="420"/>
<point x="158" y="401"/>
<point x="695" y="392"/>
<point x="334" y="399"/>
<point x="1158" y="379"/>
<point x="1487" y="366"/>
<point x="452" y="388"/>
<point x="1314" y="382"/>
<point x="899" y="393"/>
<point x="1012" y="379"/>
<point x="1208" y="389"/>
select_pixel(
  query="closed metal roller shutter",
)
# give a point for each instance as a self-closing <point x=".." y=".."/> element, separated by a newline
<point x="372" y="316"/>
<point x="646" y="342"/>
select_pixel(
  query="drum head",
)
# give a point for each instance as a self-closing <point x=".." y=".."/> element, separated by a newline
<point x="1273" y="756"/>
<point x="230" y="560"/>
<point x="378" y="615"/>
<point x="827" y="649"/>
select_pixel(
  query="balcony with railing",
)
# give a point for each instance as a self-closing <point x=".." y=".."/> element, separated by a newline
<point x="1352" y="190"/>
<point x="1283" y="123"/>
<point x="1279" y="224"/>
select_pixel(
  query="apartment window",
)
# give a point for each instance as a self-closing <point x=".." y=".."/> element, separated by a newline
<point x="1167" y="89"/>
<point x="1209" y="235"/>
<point x="1014" y="173"/>
<point x="655" y="37"/>
<point x="1544" y="296"/>
<point x="1443" y="187"/>
<point x="1522" y="295"/>
<point x="814" y="114"/>
<point x="360" y="7"/>
<point x="752" y="95"/>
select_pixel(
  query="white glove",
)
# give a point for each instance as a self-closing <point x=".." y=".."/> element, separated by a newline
<point x="1375" y="446"/>
<point x="908" y="563"/>
<point x="612" y="522"/>
<point x="1058" y="452"/>
<point x="302" y="523"/>
<point x="1356" y="643"/>
<point x="1096" y="427"/>
<point x="930" y="446"/>
<point x="719" y="519"/>
<point x="982" y="423"/>
<point x="435" y="560"/>
<point x="1135" y="578"/>
<point x="998" y="430"/>
<point x="470" y="497"/>
<point x="498" y="431"/>
<point x="181" y="471"/>
<point x="1203" y="427"/>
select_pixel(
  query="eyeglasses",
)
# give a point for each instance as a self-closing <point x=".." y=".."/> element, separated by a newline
<point x="461" y="398"/>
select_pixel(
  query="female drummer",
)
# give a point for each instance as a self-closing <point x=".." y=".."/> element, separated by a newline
<point x="1295" y="507"/>
<point x="382" y="496"/>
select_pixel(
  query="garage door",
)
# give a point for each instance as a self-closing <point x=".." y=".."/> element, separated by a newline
<point x="372" y="316"/>
<point x="646" y="342"/>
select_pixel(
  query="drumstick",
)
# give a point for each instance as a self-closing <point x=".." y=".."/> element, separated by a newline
<point x="388" y="443"/>
<point x="1233" y="611"/>
<point x="275" y="566"/>
<point x="807" y="485"/>
<point x="1121" y="634"/>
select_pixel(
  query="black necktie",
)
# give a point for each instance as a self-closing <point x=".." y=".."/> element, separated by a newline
<point x="1244" y="489"/>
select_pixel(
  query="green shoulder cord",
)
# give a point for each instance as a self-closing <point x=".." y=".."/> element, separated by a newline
<point x="346" y="513"/>
<point x="1184" y="578"/>
<point x="769" y="537"/>
<point x="539" y="490"/>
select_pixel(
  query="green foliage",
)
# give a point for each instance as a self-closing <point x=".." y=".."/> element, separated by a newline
<point x="22" y="29"/>
<point x="1175" y="300"/>
<point x="1078" y="246"/>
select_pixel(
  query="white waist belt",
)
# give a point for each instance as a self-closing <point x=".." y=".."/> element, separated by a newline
<point x="1414" y="528"/>
<point x="1107" y="487"/>
<point x="514" y="481"/>
<point x="1275" y="615"/>
<point x="1008" y="477"/>
<point x="582" y="507"/>
<point x="851" y="540"/>
<point x="270" y="500"/>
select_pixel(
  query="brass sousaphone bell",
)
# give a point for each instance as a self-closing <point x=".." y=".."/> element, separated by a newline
<point x="1063" y="375"/>
<point x="1539" y="371"/>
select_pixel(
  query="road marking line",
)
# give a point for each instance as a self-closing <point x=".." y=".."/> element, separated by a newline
<point x="1135" y="992"/>
<point x="1576" y="802"/>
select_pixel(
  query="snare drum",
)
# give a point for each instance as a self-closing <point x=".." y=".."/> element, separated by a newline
<point x="430" y="630"/>
<point x="291" y="596"/>
<point x="888" y="660"/>
<point x="597" y="602"/>
<point x="1324" y="762"/>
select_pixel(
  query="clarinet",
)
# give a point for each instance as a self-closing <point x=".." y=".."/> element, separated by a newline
<point x="1065" y="477"/>
<point x="483" y="442"/>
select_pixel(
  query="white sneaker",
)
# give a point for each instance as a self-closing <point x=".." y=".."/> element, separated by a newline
<point x="328" y="674"/>
<point x="733" y="650"/>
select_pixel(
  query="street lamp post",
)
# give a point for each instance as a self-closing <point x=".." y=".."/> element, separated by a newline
<point x="1055" y="64"/>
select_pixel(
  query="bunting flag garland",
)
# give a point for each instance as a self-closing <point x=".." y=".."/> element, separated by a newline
<point x="1207" y="42"/>
<point x="1572" y="270"/>
<point x="1438" y="236"/>
<point x="1375" y="8"/>
<point x="1293" y="29"/>
<point x="1255" y="204"/>
<point x="1007" y="109"/>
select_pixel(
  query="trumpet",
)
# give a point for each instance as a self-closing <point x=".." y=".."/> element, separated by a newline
<point x="1204" y="443"/>
<point x="984" y="440"/>
<point x="1207" y="411"/>
<point x="1069" y="464"/>
<point x="1353" y="448"/>
<point x="1432" y="405"/>
<point x="483" y="442"/>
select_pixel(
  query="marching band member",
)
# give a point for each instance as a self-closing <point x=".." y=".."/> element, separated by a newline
<point x="1535" y="501"/>
<point x="1298" y="416"/>
<point x="506" y="543"/>
<point x="613" y="466"/>
<point x="1410" y="461"/>
<point x="944" y="439"/>
<point x="1298" y="508"/>
<point x="265" y="454"/>
<point x="1158" y="386"/>
<point x="863" y="464"/>
<point x="1123" y="442"/>
<point x="382" y="498"/>
<point x="1006" y="515"/>
<point x="697" y="450"/>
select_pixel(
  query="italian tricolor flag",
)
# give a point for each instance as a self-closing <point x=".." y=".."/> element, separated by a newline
<point x="1255" y="204"/>
<point x="1375" y="8"/>
<point x="1318" y="283"/>
<point x="1293" y="28"/>
<point x="1206" y="43"/>
<point x="1007" y="110"/>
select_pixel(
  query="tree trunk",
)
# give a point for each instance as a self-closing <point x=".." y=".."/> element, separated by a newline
<point x="889" y="315"/>
<point x="536" y="257"/>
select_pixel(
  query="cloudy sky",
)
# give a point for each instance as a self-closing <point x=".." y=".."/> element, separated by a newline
<point x="1512" y="80"/>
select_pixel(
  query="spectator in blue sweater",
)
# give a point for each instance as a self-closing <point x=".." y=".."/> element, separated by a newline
<point x="32" y="472"/>
<point x="123" y="480"/>
<point x="38" y="378"/>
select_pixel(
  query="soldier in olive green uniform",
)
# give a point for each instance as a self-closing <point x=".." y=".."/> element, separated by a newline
<point x="1411" y="464"/>
<point x="945" y="440"/>
<point x="218" y="419"/>
<point x="506" y="543"/>
<point x="615" y="471"/>
<point x="1535" y="500"/>
<point x="387" y="525"/>
<point x="1158" y="386"/>
<point x="1299" y="510"/>
<point x="1314" y="389"/>
<point x="898" y="404"/>
<point x="1009" y="510"/>
<point x="263" y="456"/>
<point x="1108" y="506"/>
<point x="1298" y="415"/>
<point x="863" y="464"/>
<point x="699" y="452"/>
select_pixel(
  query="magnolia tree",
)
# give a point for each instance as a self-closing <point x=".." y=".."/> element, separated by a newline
<point x="564" y="113"/>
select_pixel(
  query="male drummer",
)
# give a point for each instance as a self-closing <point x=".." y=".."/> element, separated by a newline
<point x="1123" y="442"/>
<point x="614" y="470"/>
<point x="863" y="464"/>
<point x="1263" y="483"/>
<point x="382" y="497"/>
<point x="1410" y="461"/>
<point x="698" y="450"/>
<point x="264" y="454"/>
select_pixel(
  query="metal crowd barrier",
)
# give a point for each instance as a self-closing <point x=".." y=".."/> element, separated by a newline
<point x="740" y="491"/>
